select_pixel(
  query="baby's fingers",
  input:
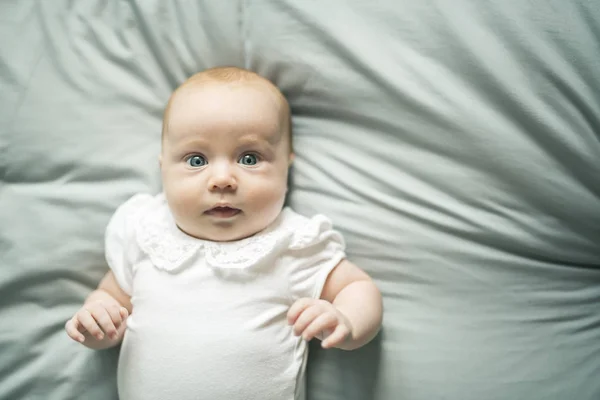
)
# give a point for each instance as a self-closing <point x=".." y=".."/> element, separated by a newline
<point x="298" y="308"/>
<point x="88" y="321"/>
<point x="320" y="324"/>
<point x="337" y="337"/>
<point x="117" y="315"/>
<point x="305" y="319"/>
<point x="104" y="318"/>
<point x="73" y="330"/>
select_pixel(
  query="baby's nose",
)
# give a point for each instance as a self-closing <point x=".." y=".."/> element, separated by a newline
<point x="222" y="179"/>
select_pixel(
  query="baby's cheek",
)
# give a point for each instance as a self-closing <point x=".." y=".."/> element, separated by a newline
<point x="270" y="195"/>
<point x="180" y="195"/>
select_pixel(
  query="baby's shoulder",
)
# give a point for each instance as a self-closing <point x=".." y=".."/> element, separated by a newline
<point x="130" y="214"/>
<point x="140" y="204"/>
<point x="307" y="231"/>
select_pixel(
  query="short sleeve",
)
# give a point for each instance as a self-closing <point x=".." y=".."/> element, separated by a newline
<point x="120" y="243"/>
<point x="315" y="250"/>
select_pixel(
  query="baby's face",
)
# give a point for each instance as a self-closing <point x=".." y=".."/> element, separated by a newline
<point x="225" y="159"/>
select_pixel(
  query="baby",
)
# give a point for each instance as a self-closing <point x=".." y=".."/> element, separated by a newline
<point x="214" y="287"/>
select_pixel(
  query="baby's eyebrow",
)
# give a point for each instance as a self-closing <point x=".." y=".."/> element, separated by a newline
<point x="257" y="139"/>
<point x="195" y="142"/>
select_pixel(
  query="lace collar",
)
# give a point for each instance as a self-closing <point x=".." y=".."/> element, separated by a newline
<point x="171" y="249"/>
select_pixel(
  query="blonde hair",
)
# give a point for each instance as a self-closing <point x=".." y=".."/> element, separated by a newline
<point x="233" y="75"/>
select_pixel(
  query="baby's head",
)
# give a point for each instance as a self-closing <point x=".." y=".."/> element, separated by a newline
<point x="226" y="151"/>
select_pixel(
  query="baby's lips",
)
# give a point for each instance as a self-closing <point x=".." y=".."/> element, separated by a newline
<point x="223" y="212"/>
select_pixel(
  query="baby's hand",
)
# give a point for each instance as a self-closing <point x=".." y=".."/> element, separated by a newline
<point x="101" y="320"/>
<point x="319" y="318"/>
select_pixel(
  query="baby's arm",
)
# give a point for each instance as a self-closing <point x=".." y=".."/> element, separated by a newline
<point x="101" y="322"/>
<point x="350" y="310"/>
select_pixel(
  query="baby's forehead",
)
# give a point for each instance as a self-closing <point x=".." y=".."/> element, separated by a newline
<point x="212" y="108"/>
<point x="227" y="100"/>
<point x="205" y="98"/>
<point x="212" y="88"/>
<point x="199" y="95"/>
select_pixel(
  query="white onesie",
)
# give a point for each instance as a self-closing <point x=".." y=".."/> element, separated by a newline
<point x="209" y="318"/>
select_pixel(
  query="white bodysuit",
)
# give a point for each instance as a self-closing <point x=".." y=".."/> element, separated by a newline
<point x="209" y="318"/>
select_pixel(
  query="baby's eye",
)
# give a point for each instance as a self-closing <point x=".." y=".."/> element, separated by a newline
<point x="196" y="161"/>
<point x="248" y="159"/>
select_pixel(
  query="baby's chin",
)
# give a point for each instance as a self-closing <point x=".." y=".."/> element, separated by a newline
<point x="219" y="235"/>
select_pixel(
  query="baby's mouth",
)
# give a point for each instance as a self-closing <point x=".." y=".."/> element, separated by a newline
<point x="223" y="212"/>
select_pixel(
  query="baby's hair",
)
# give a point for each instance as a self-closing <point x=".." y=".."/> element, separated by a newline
<point x="233" y="75"/>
